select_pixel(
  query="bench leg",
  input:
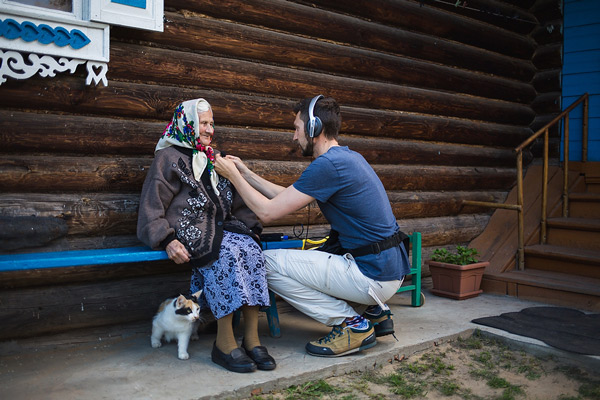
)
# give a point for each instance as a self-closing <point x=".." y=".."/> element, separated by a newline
<point x="273" y="317"/>
<point x="415" y="240"/>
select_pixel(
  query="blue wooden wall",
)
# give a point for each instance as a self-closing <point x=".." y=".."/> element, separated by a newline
<point x="581" y="72"/>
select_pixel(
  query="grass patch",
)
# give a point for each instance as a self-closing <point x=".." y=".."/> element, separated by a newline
<point x="312" y="390"/>
<point x="448" y="388"/>
<point x="401" y="386"/>
<point x="590" y="390"/>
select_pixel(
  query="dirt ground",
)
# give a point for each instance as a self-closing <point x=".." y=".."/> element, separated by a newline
<point x="473" y="368"/>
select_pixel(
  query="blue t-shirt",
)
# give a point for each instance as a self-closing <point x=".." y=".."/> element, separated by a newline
<point x="355" y="203"/>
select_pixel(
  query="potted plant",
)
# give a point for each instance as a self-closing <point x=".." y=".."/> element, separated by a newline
<point x="458" y="274"/>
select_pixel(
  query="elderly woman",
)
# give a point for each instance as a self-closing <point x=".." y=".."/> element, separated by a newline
<point x="197" y="216"/>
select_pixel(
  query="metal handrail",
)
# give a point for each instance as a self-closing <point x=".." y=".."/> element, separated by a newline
<point x="519" y="153"/>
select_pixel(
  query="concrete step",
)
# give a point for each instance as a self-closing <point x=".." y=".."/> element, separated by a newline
<point x="584" y="205"/>
<point x="581" y="233"/>
<point x="574" y="261"/>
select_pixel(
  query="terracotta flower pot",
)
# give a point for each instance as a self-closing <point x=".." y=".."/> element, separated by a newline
<point x="456" y="281"/>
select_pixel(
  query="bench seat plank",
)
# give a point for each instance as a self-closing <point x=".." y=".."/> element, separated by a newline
<point x="72" y="258"/>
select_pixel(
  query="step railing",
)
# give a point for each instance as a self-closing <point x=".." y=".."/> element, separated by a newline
<point x="519" y="155"/>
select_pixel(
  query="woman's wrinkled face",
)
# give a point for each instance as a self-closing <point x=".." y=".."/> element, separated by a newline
<point x="206" y="129"/>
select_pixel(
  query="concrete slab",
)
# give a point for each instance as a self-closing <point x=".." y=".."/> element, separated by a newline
<point x="101" y="364"/>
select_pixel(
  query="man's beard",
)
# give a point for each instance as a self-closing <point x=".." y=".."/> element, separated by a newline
<point x="308" y="150"/>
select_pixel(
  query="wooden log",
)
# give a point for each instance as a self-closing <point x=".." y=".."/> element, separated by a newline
<point x="419" y="205"/>
<point x="548" y="56"/>
<point x="387" y="151"/>
<point x="228" y="74"/>
<point x="550" y="32"/>
<point x="447" y="230"/>
<point x="72" y="174"/>
<point x="107" y="174"/>
<point x="77" y="242"/>
<point x="547" y="103"/>
<point x="547" y="81"/>
<point x="493" y="12"/>
<point x="114" y="214"/>
<point x="544" y="119"/>
<point x="32" y="278"/>
<point x="307" y="20"/>
<point x="51" y="309"/>
<point x="403" y="125"/>
<point x="547" y="10"/>
<point x="452" y="178"/>
<point x="60" y="133"/>
<point x="205" y="34"/>
<point x="84" y="214"/>
<point x="29" y="231"/>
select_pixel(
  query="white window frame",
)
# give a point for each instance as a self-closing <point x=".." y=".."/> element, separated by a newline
<point x="113" y="12"/>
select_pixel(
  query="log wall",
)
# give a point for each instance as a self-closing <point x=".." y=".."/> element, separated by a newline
<point x="434" y="96"/>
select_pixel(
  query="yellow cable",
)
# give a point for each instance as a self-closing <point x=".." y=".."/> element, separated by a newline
<point x="310" y="241"/>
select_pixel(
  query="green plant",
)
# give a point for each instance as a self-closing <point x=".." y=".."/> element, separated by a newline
<point x="462" y="256"/>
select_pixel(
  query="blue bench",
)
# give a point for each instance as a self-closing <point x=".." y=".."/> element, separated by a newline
<point x="73" y="258"/>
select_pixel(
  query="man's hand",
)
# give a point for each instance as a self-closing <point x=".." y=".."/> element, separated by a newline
<point x="177" y="252"/>
<point x="244" y="170"/>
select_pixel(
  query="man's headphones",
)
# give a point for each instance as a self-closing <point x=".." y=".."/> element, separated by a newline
<point x="314" y="126"/>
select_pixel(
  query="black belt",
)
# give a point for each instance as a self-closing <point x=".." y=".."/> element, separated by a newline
<point x="376" y="248"/>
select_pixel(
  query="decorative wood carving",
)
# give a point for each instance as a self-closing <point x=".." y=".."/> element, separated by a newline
<point x="13" y="65"/>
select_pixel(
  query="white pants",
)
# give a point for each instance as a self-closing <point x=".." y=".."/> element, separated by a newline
<point x="318" y="283"/>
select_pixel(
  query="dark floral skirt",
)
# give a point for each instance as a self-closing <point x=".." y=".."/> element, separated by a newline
<point x="237" y="278"/>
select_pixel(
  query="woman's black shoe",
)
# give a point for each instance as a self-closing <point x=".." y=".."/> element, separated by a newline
<point x="236" y="361"/>
<point x="261" y="357"/>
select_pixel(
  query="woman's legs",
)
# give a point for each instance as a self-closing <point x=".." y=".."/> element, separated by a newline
<point x="251" y="344"/>
<point x="225" y="337"/>
<point x="251" y="339"/>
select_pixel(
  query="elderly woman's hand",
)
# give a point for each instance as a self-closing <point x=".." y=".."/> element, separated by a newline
<point x="177" y="252"/>
<point x="225" y="166"/>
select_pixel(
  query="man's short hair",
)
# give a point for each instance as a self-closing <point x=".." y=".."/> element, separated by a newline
<point x="327" y="109"/>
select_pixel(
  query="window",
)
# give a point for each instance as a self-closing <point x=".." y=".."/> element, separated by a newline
<point x="49" y="36"/>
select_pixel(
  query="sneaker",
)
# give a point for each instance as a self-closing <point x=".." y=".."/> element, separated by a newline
<point x="381" y="319"/>
<point x="343" y="340"/>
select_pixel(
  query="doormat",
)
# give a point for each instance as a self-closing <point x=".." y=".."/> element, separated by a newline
<point x="563" y="328"/>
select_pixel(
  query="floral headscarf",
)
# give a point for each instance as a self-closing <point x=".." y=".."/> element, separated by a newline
<point x="182" y="131"/>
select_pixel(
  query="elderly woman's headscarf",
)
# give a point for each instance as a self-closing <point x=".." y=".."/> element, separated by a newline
<point x="183" y="131"/>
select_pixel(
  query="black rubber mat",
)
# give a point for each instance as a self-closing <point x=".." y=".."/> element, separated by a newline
<point x="564" y="328"/>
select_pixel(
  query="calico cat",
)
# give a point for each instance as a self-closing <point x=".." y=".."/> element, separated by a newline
<point x="177" y="318"/>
